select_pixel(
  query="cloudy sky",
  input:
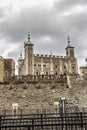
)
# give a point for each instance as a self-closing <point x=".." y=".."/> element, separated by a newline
<point x="48" y="21"/>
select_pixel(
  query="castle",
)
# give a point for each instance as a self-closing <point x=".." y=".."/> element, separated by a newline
<point x="47" y="64"/>
<point x="42" y="81"/>
<point x="37" y="65"/>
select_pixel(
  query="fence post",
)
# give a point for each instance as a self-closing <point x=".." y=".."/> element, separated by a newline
<point x="33" y="124"/>
<point x="41" y="120"/>
<point x="0" y="121"/>
<point x="81" y="117"/>
<point x="29" y="128"/>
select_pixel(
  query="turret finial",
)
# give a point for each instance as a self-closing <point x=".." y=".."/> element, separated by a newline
<point x="28" y="36"/>
<point x="68" y="39"/>
<point x="69" y="45"/>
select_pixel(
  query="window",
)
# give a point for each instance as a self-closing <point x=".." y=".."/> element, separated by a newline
<point x="56" y="73"/>
<point x="73" y="67"/>
<point x="46" y="73"/>
<point x="71" y="53"/>
<point x="56" y="66"/>
<point x="39" y="65"/>
<point x="64" y="67"/>
<point x="44" y="65"/>
<point x="37" y="73"/>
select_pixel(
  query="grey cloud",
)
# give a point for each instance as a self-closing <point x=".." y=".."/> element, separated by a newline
<point x="42" y="22"/>
<point x="14" y="54"/>
<point x="38" y="21"/>
<point x="68" y="4"/>
<point x="2" y="12"/>
<point x="78" y="29"/>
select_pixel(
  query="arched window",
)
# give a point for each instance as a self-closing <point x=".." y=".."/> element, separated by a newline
<point x="64" y="67"/>
<point x="46" y="73"/>
<point x="56" y="73"/>
<point x="37" y="73"/>
<point x="73" y="67"/>
<point x="56" y="66"/>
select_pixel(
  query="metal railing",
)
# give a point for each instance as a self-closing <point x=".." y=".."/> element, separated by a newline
<point x="66" y="121"/>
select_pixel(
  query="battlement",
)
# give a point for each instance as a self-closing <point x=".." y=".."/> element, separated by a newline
<point x="49" y="56"/>
<point x="34" y="64"/>
<point x="41" y="55"/>
<point x="34" y="91"/>
<point x="37" y="79"/>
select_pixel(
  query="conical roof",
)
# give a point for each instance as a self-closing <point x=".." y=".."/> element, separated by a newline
<point x="28" y="41"/>
<point x="69" y="44"/>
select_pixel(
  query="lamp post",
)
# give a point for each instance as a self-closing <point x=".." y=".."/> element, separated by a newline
<point x="63" y="104"/>
<point x="15" y="108"/>
<point x="56" y="104"/>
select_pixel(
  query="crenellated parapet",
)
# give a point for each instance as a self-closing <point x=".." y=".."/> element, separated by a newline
<point x="48" y="56"/>
<point x="40" y="64"/>
<point x="37" y="79"/>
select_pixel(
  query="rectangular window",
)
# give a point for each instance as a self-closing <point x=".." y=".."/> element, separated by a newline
<point x="44" y="65"/>
<point x="39" y="65"/>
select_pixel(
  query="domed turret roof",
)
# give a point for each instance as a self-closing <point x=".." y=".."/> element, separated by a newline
<point x="69" y="45"/>
<point x="28" y="41"/>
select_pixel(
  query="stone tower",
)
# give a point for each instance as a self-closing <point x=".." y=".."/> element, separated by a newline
<point x="29" y="56"/>
<point x="20" y="61"/>
<point x="72" y="61"/>
<point x="69" y="49"/>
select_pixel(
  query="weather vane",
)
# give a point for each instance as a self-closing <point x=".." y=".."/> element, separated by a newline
<point x="28" y="36"/>
<point x="68" y="39"/>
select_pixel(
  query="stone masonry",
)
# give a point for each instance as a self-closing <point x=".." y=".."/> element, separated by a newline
<point x="42" y="83"/>
<point x="33" y="97"/>
<point x="7" y="68"/>
<point x="35" y="64"/>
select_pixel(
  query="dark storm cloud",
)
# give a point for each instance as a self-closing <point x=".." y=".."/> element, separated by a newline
<point x="47" y="22"/>
<point x="39" y="21"/>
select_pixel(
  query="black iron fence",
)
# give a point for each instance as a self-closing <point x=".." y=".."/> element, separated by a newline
<point x="66" y="121"/>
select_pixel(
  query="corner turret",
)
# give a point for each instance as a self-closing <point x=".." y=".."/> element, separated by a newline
<point x="20" y="62"/>
<point x="69" y="49"/>
<point x="28" y="43"/>
<point x="28" y="49"/>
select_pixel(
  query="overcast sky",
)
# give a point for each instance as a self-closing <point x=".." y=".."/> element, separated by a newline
<point x="48" y="21"/>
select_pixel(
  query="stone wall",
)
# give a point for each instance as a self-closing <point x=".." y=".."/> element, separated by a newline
<point x="39" y="96"/>
<point x="83" y="71"/>
<point x="54" y="65"/>
<point x="9" y="68"/>
<point x="38" y="64"/>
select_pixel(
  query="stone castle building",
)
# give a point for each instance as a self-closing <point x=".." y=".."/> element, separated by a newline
<point x="47" y="64"/>
<point x="41" y="83"/>
<point x="7" y="68"/>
